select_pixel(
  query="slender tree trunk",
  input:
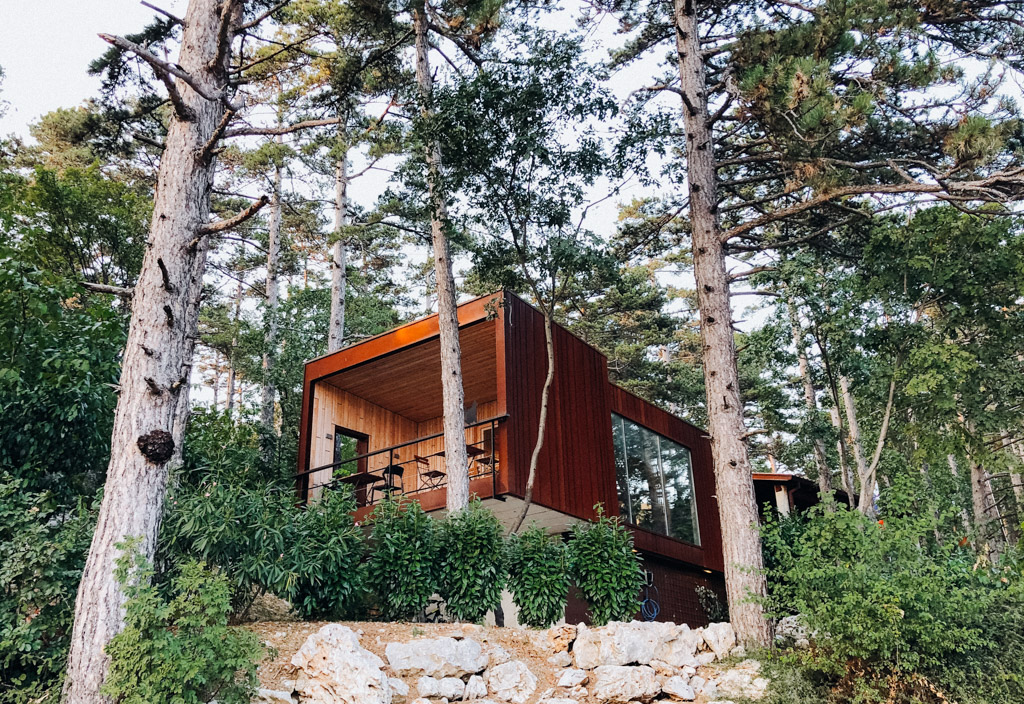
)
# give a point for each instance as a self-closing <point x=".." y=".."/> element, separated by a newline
<point x="741" y="543"/>
<point x="269" y="392"/>
<point x="542" y="422"/>
<point x="1016" y="478"/>
<point x="236" y="316"/>
<point x="811" y="401"/>
<point x="844" y="467"/>
<point x="964" y="516"/>
<point x="154" y="384"/>
<point x="453" y="398"/>
<point x="216" y="379"/>
<point x="339" y="258"/>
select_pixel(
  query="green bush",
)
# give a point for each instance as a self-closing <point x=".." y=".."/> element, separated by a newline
<point x="605" y="568"/>
<point x="900" y="615"/>
<point x="470" y="563"/>
<point x="42" y="554"/>
<point x="537" y="576"/>
<point x="181" y="650"/>
<point x="401" y="569"/>
<point x="325" y="549"/>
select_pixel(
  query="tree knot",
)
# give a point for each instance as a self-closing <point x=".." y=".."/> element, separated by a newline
<point x="157" y="446"/>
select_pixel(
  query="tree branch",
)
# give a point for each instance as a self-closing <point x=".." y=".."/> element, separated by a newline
<point x="125" y="293"/>
<point x="173" y="18"/>
<point x="229" y="223"/>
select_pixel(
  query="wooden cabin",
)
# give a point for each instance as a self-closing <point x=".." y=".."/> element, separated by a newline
<point x="371" y="418"/>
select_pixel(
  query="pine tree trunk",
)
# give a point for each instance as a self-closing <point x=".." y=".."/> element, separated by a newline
<point x="269" y="392"/>
<point x="157" y="359"/>
<point x="339" y="258"/>
<point x="741" y="543"/>
<point x="811" y="402"/>
<point x="964" y="517"/>
<point x="453" y="399"/>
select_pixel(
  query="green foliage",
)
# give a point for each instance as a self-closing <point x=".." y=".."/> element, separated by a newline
<point x="225" y="513"/>
<point x="711" y="604"/>
<point x="59" y="364"/>
<point x="470" y="562"/>
<point x="537" y="576"/>
<point x="402" y="569"/>
<point x="897" y="612"/>
<point x="179" y="650"/>
<point x="42" y="554"/>
<point x="605" y="568"/>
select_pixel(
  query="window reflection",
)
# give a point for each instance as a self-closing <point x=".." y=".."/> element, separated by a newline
<point x="655" y="481"/>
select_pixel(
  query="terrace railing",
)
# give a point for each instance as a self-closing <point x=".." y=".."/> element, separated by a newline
<point x="370" y="485"/>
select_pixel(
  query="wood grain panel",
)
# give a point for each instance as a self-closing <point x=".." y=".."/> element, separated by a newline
<point x="335" y="407"/>
<point x="408" y="382"/>
<point x="576" y="468"/>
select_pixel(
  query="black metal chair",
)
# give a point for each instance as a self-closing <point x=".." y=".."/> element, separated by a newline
<point x="392" y="476"/>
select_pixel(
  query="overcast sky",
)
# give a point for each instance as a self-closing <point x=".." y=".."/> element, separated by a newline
<point x="46" y="47"/>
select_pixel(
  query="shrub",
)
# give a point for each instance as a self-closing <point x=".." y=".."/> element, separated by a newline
<point x="181" y="650"/>
<point x="605" y="568"/>
<point x="42" y="554"/>
<point x="537" y="576"/>
<point x="902" y="617"/>
<point x="226" y="511"/>
<point x="470" y="563"/>
<point x="401" y="569"/>
<point x="325" y="550"/>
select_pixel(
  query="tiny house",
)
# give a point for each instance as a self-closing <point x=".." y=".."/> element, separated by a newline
<point x="372" y="418"/>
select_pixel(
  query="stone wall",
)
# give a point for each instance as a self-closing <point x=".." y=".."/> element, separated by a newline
<point x="616" y="664"/>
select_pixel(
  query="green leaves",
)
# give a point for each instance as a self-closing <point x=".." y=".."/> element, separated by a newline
<point x="179" y="650"/>
<point x="402" y="569"/>
<point x="537" y="576"/>
<point x="471" y="561"/>
<point x="605" y="568"/>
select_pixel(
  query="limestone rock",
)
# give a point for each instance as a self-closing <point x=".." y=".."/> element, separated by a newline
<point x="476" y="688"/>
<point x="621" y="683"/>
<point x="273" y="696"/>
<point x="447" y="687"/>
<point x="621" y="643"/>
<point x="572" y="677"/>
<point x="721" y="638"/>
<point x="437" y="657"/>
<point x="697" y="682"/>
<point x="561" y="637"/>
<point x="705" y="659"/>
<point x="663" y="669"/>
<point x="681" y="649"/>
<point x="743" y="681"/>
<point x="420" y="700"/>
<point x="678" y="688"/>
<point x="497" y="655"/>
<point x="561" y="659"/>
<point x="399" y="690"/>
<point x="791" y="632"/>
<point x="337" y="670"/>
<point x="511" y="681"/>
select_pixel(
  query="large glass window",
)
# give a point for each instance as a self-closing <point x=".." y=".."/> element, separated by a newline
<point x="655" y="481"/>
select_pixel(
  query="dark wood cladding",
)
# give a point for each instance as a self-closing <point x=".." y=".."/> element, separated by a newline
<point x="576" y="469"/>
<point x="709" y="554"/>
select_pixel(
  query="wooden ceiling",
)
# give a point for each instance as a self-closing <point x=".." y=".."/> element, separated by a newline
<point x="408" y="382"/>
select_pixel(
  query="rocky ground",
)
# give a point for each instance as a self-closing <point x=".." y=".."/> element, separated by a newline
<point x="392" y="663"/>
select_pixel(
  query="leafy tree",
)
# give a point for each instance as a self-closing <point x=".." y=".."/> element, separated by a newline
<point x="471" y="560"/>
<point x="537" y="576"/>
<point x="605" y="568"/>
<point x="402" y="569"/>
<point x="59" y="369"/>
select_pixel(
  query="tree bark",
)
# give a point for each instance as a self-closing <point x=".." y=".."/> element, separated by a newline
<point x="542" y="422"/>
<point x="811" y="402"/>
<point x="964" y="517"/>
<point x="232" y="381"/>
<point x="339" y="258"/>
<point x="844" y="466"/>
<point x="453" y="398"/>
<point x="157" y="360"/>
<point x="866" y="473"/>
<point x="741" y="543"/>
<point x="269" y="392"/>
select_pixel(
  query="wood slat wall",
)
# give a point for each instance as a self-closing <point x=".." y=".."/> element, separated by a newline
<point x="333" y="406"/>
<point x="576" y="468"/>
